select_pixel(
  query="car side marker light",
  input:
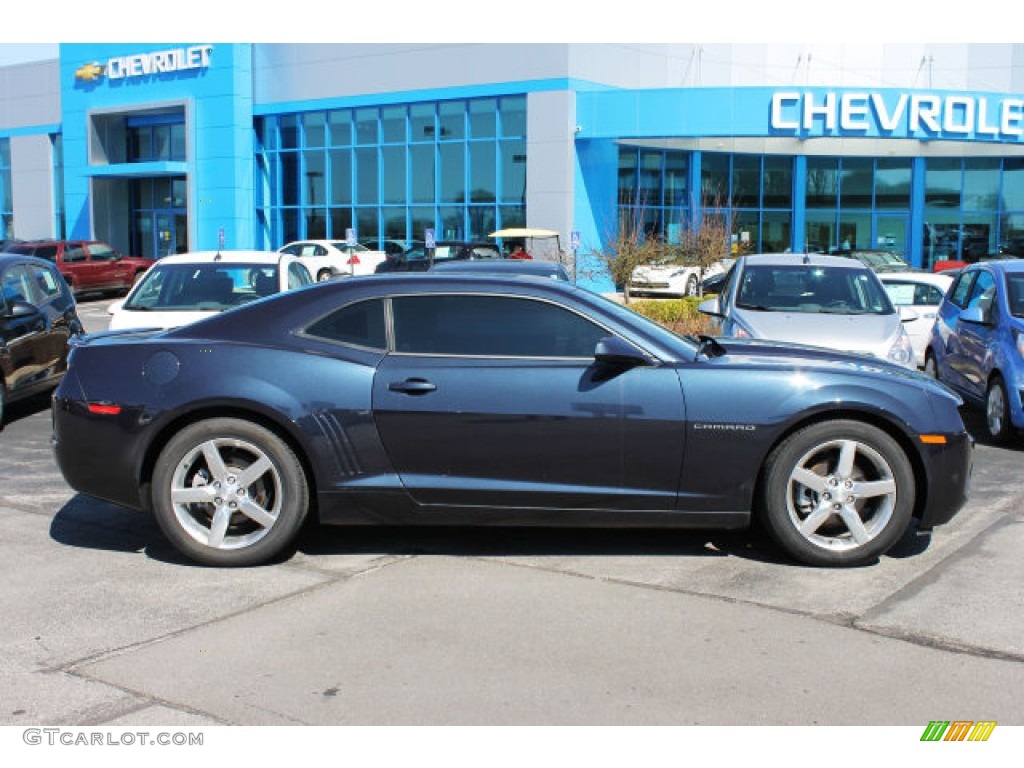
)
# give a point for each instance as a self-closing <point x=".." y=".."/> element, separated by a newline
<point x="104" y="409"/>
<point x="933" y="439"/>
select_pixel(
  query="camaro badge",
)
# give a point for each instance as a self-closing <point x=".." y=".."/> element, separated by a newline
<point x="89" y="72"/>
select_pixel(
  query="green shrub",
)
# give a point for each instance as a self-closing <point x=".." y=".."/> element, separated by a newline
<point x="678" y="315"/>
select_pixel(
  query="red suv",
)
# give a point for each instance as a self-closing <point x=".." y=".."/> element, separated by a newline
<point x="88" y="265"/>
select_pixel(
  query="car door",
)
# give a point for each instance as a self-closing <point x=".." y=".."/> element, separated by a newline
<point x="107" y="268"/>
<point x="972" y="365"/>
<point x="25" y="335"/>
<point x="497" y="401"/>
<point x="76" y="268"/>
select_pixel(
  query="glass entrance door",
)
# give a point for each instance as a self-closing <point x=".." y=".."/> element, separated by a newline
<point x="891" y="233"/>
<point x="159" y="217"/>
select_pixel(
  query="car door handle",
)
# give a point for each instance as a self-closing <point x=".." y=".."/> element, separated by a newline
<point x="412" y="386"/>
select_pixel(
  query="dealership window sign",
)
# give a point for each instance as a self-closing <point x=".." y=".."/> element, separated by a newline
<point x="909" y="115"/>
<point x="143" y="64"/>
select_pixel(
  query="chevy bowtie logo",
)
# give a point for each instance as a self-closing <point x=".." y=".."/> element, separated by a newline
<point x="89" y="72"/>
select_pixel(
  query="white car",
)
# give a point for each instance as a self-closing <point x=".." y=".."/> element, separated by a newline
<point x="190" y="286"/>
<point x="665" y="280"/>
<point x="923" y="292"/>
<point x="333" y="258"/>
<point x="824" y="301"/>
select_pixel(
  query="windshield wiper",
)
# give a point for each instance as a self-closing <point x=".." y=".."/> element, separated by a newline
<point x="756" y="307"/>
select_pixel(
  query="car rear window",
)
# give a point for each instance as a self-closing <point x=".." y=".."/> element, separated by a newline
<point x="192" y="287"/>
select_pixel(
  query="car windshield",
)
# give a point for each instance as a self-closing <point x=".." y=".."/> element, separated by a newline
<point x="192" y="287"/>
<point x="812" y="288"/>
<point x="451" y="252"/>
<point x="1015" y="294"/>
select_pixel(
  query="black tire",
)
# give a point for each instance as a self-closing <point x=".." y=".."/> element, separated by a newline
<point x="820" y="481"/>
<point x="219" y="516"/>
<point x="324" y="275"/>
<point x="997" y="411"/>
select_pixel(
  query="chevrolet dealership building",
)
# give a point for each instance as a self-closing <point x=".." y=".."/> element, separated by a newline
<point x="158" y="148"/>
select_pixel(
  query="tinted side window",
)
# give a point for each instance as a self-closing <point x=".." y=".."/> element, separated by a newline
<point x="959" y="293"/>
<point x="48" y="252"/>
<point x="17" y="286"/>
<point x="491" y="326"/>
<point x="983" y="292"/>
<point x="298" y="275"/>
<point x="50" y="286"/>
<point x="99" y="252"/>
<point x="74" y="253"/>
<point x="360" y="324"/>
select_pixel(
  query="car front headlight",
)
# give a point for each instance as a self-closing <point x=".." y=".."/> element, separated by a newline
<point x="902" y="351"/>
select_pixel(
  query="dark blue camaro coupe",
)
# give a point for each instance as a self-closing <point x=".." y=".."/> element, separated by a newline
<point x="506" y="401"/>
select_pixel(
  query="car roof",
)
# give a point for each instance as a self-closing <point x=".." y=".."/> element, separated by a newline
<point x="21" y="258"/>
<point x="501" y="266"/>
<point x="226" y="257"/>
<point x="932" y="278"/>
<point x="1014" y="266"/>
<point x="798" y="259"/>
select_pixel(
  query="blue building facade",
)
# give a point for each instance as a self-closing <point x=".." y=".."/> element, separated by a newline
<point x="159" y="148"/>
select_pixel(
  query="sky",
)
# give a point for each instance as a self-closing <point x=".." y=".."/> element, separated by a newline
<point x="648" y="21"/>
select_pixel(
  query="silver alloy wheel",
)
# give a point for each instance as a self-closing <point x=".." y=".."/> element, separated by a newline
<point x="841" y="495"/>
<point x="226" y="493"/>
<point x="995" y="410"/>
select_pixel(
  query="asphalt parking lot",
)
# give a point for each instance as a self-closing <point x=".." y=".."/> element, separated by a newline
<point x="104" y="624"/>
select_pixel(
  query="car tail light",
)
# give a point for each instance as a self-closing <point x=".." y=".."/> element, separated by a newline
<point x="104" y="409"/>
<point x="353" y="259"/>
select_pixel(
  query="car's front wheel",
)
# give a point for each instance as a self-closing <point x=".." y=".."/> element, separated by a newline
<point x="229" y="492"/>
<point x="837" y="493"/>
<point x="997" y="411"/>
<point x="324" y="275"/>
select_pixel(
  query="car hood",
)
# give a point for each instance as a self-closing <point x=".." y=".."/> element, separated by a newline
<point x="866" y="334"/>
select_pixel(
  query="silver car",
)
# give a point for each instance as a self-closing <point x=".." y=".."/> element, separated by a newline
<point x="824" y="301"/>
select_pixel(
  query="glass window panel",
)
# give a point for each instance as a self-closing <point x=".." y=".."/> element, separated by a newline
<point x="452" y="118"/>
<point x="394" y="223"/>
<point x="341" y="219"/>
<point x="367" y="188"/>
<point x="366" y="224"/>
<point x="941" y="236"/>
<point x="422" y="172"/>
<point x="513" y="171"/>
<point x="393" y="174"/>
<point x="290" y="224"/>
<point x="677" y="169"/>
<point x="289" y="131"/>
<point x="161" y="142"/>
<point x="290" y="178"/>
<point x="341" y="176"/>
<point x="367" y="126"/>
<point x="392" y="122"/>
<point x="483" y="118"/>
<point x="316" y="177"/>
<point x="1013" y="184"/>
<point x="820" y="226"/>
<point x="339" y="124"/>
<point x="361" y="324"/>
<point x="482" y="221"/>
<point x="512" y="216"/>
<point x="178" y="151"/>
<point x="746" y="181"/>
<point x="162" y="195"/>
<point x="483" y="177"/>
<point x="777" y="189"/>
<point x="513" y="116"/>
<point x="744" y="233"/>
<point x="628" y="159"/>
<point x="316" y="223"/>
<point x="421" y="218"/>
<point x="776" y="231"/>
<point x="1011" y="240"/>
<point x="5" y="153"/>
<point x="314" y="129"/>
<point x="822" y="182"/>
<point x="978" y="237"/>
<point x="452" y="225"/>
<point x="856" y="184"/>
<point x="981" y="184"/>
<point x="942" y="182"/>
<point x="179" y="193"/>
<point x="855" y="230"/>
<point x="714" y="178"/>
<point x="421" y="122"/>
<point x="650" y="178"/>
<point x="453" y="173"/>
<point x="892" y="184"/>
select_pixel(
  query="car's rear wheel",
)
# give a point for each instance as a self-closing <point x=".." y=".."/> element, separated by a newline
<point x="997" y="411"/>
<point x="228" y="492"/>
<point x="837" y="493"/>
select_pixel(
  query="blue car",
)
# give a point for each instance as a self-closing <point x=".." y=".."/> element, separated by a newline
<point x="977" y="343"/>
<point x="491" y="400"/>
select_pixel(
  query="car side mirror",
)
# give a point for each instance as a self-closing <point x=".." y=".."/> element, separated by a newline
<point x="615" y="351"/>
<point x="19" y="309"/>
<point x="907" y="314"/>
<point x="710" y="307"/>
<point x="975" y="314"/>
